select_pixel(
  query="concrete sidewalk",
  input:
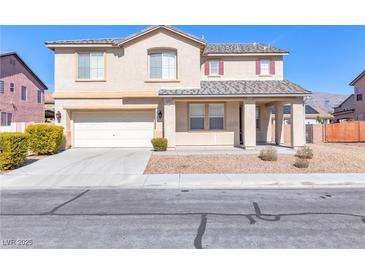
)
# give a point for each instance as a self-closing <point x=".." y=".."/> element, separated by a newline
<point x="182" y="181"/>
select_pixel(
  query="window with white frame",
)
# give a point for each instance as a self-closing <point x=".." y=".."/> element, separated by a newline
<point x="39" y="97"/>
<point x="196" y="115"/>
<point x="213" y="67"/>
<point x="6" y="118"/>
<point x="2" y="87"/>
<point x="12" y="87"/>
<point x="216" y="116"/>
<point x="162" y="65"/>
<point x="90" y="66"/>
<point x="265" y="67"/>
<point x="24" y="95"/>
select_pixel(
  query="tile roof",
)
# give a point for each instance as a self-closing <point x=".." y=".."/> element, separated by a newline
<point x="117" y="41"/>
<point x="238" y="87"/>
<point x="87" y="41"/>
<point x="241" y="48"/>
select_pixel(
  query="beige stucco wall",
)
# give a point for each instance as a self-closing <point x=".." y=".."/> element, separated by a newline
<point x="243" y="68"/>
<point x="360" y="105"/>
<point x="229" y="136"/>
<point x="127" y="68"/>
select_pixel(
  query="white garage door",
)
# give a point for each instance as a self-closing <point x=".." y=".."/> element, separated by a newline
<point x="113" y="129"/>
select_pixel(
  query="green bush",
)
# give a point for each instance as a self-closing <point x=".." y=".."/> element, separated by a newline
<point x="268" y="154"/>
<point x="44" y="139"/>
<point x="304" y="153"/>
<point x="301" y="163"/>
<point x="13" y="150"/>
<point x="159" y="144"/>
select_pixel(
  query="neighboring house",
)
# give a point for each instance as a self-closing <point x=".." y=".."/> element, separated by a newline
<point x="345" y="111"/>
<point x="49" y="108"/>
<point x="359" y="87"/>
<point x="164" y="82"/>
<point x="21" y="94"/>
<point x="312" y="113"/>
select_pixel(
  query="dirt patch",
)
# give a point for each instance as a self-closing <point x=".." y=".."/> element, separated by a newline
<point x="328" y="158"/>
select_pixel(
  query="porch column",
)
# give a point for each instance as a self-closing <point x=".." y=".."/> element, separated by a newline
<point x="266" y="123"/>
<point x="170" y="122"/>
<point x="279" y="123"/>
<point x="249" y="124"/>
<point x="297" y="123"/>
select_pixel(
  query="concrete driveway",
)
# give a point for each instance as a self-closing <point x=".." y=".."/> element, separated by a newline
<point x="75" y="167"/>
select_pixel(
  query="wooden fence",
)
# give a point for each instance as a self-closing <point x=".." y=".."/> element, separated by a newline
<point x="345" y="132"/>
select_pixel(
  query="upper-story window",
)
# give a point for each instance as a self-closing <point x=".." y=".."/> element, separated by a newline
<point x="40" y="97"/>
<point x="265" y="67"/>
<point x="23" y="93"/>
<point x="90" y="66"/>
<point x="2" y="87"/>
<point x="358" y="92"/>
<point x="162" y="65"/>
<point x="12" y="87"/>
<point x="213" y="67"/>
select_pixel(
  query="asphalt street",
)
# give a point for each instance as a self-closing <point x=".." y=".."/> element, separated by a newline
<point x="162" y="218"/>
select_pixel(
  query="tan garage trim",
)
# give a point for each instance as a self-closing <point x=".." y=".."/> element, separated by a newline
<point x="105" y="94"/>
<point x="112" y="107"/>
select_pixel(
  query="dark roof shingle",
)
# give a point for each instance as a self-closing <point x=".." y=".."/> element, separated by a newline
<point x="117" y="41"/>
<point x="241" y="48"/>
<point x="238" y="87"/>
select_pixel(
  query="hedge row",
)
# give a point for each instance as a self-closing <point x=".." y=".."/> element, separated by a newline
<point x="38" y="138"/>
<point x="13" y="148"/>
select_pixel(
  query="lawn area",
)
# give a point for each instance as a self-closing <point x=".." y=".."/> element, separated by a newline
<point x="331" y="158"/>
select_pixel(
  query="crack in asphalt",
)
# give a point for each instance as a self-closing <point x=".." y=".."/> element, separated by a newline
<point x="52" y="211"/>
<point x="201" y="230"/>
<point x="203" y="216"/>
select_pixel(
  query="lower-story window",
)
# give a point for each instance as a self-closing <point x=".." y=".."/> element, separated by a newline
<point x="216" y="116"/>
<point x="212" y="113"/>
<point x="197" y="115"/>
<point x="6" y="118"/>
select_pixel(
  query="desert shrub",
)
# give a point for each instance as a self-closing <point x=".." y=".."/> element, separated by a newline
<point x="304" y="153"/>
<point x="301" y="163"/>
<point x="159" y="144"/>
<point x="13" y="150"/>
<point x="44" y="139"/>
<point x="269" y="154"/>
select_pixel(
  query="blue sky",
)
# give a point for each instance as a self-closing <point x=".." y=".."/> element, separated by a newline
<point x="321" y="59"/>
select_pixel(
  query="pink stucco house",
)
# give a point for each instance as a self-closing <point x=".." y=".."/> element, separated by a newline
<point x="21" y="94"/>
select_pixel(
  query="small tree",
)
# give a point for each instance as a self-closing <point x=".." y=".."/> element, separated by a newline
<point x="320" y="119"/>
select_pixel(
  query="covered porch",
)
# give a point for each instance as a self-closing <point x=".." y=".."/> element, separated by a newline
<point x="244" y="122"/>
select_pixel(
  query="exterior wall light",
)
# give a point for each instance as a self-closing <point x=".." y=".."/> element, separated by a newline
<point x="159" y="114"/>
<point x="58" y="116"/>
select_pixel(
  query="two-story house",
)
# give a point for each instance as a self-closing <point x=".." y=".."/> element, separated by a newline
<point x="359" y="101"/>
<point x="345" y="111"/>
<point x="21" y="94"/>
<point x="165" y="82"/>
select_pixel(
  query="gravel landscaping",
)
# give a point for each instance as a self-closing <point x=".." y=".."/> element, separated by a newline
<point x="328" y="158"/>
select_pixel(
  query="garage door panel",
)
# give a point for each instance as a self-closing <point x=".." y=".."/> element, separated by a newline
<point x="113" y="129"/>
<point x="114" y="126"/>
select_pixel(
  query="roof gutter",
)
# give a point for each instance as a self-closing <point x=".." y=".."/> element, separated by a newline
<point x="238" y="95"/>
